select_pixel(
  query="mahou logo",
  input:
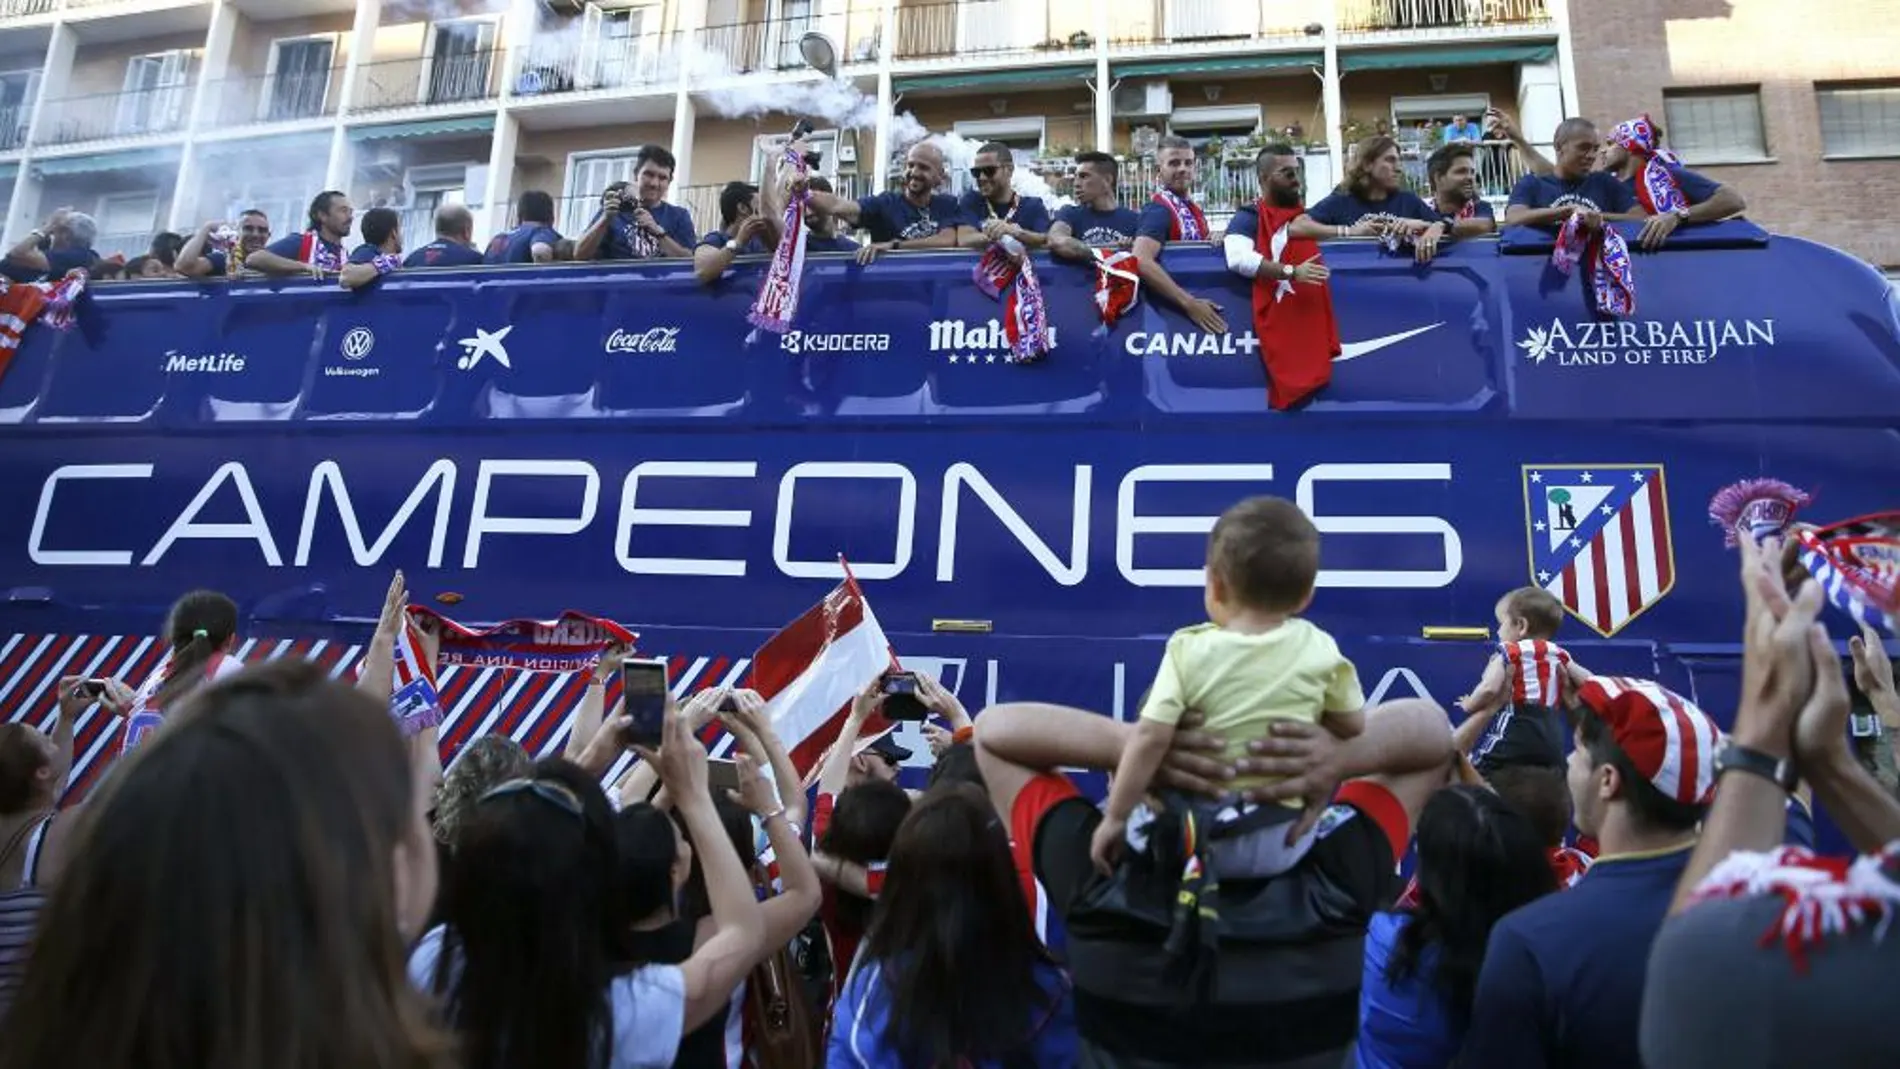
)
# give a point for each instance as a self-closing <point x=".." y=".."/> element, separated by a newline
<point x="655" y="340"/>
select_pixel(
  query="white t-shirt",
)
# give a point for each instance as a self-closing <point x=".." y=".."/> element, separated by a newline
<point x="649" y="1006"/>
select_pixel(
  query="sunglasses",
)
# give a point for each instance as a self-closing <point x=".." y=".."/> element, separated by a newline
<point x="255" y="229"/>
<point x="553" y="793"/>
<point x="984" y="172"/>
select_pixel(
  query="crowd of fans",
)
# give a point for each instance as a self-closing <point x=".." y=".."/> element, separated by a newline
<point x="1592" y="177"/>
<point x="277" y="875"/>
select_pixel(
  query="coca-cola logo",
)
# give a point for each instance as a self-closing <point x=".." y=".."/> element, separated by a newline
<point x="654" y="340"/>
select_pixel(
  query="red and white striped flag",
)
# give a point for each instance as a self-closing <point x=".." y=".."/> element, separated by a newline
<point x="809" y="672"/>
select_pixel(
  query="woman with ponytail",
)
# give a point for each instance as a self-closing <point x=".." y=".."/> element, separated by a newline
<point x="202" y="631"/>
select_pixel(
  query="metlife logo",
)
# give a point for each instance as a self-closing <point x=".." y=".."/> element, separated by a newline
<point x="979" y="343"/>
<point x="177" y="363"/>
<point x="799" y="342"/>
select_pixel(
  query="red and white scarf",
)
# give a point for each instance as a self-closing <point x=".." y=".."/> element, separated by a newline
<point x="1605" y="259"/>
<point x="319" y="253"/>
<point x="414" y="701"/>
<point x="1005" y="273"/>
<point x="1657" y="186"/>
<point x="24" y="303"/>
<point x="1117" y="285"/>
<point x="571" y="642"/>
<point x="1820" y="896"/>
<point x="1189" y="222"/>
<point x="777" y="303"/>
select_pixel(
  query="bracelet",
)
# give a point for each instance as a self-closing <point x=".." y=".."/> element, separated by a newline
<point x="1738" y="758"/>
<point x="766" y="818"/>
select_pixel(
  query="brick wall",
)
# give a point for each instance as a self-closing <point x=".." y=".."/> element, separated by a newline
<point x="1629" y="51"/>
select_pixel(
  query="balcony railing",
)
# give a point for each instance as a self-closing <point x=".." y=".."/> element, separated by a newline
<point x="107" y="115"/>
<point x="1447" y="16"/>
<point x="1140" y="22"/>
<point x="450" y="78"/>
<point x="766" y="46"/>
<point x="622" y="63"/>
<point x="14" y="121"/>
<point x="280" y="97"/>
<point x="992" y="27"/>
<point x="19" y="9"/>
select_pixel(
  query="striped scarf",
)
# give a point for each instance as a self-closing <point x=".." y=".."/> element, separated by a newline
<point x="1189" y="222"/>
<point x="1605" y="259"/>
<point x="1656" y="184"/>
<point x="1820" y="896"/>
<point x="777" y="303"/>
<point x="1857" y="562"/>
<point x="1005" y="273"/>
<point x="24" y="303"/>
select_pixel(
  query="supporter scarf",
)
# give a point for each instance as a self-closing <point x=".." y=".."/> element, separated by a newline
<point x="319" y="253"/>
<point x="1469" y="211"/>
<point x="1190" y="223"/>
<point x="777" y="303"/>
<point x="571" y="642"/>
<point x="1857" y="562"/>
<point x="1762" y="507"/>
<point x="1657" y="186"/>
<point x="1298" y="333"/>
<point x="1117" y="285"/>
<point x="1004" y="273"/>
<point x="385" y="262"/>
<point x="1820" y="896"/>
<point x="24" y="303"/>
<point x="1605" y="258"/>
<point x="414" y="701"/>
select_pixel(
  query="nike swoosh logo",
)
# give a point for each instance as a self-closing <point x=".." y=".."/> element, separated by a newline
<point x="1353" y="350"/>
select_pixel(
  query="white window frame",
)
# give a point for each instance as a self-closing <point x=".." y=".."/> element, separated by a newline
<point x="102" y="212"/>
<point x="29" y="100"/>
<point x="176" y="92"/>
<point x="574" y="211"/>
<point x="429" y="43"/>
<point x="270" y="70"/>
<point x="1021" y="128"/>
<point x="1186" y="121"/>
<point x="1414" y="108"/>
<point x="1821" y="91"/>
<point x="766" y="147"/>
<point x="1731" y="154"/>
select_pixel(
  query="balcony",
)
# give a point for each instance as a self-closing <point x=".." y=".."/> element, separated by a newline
<point x="606" y="63"/>
<point x="1440" y="18"/>
<point x="1149" y="22"/>
<point x="457" y="77"/>
<point x="773" y="46"/>
<point x="979" y="28"/>
<point x="285" y="96"/>
<point x="100" y="116"/>
<point x="14" y="121"/>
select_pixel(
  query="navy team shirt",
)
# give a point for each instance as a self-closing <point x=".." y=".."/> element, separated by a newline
<point x="1031" y="214"/>
<point x="517" y="245"/>
<point x="290" y="247"/>
<point x="1599" y="190"/>
<point x="889" y="217"/>
<point x="834" y="243"/>
<point x="58" y="262"/>
<point x="1341" y="208"/>
<point x="444" y="253"/>
<point x="365" y="254"/>
<point x="1098" y="229"/>
<point x="719" y="240"/>
<point x="1562" y="983"/>
<point x="675" y="220"/>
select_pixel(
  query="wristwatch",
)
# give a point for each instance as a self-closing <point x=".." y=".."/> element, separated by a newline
<point x="1735" y="757"/>
<point x="1287" y="272"/>
<point x="1682" y="214"/>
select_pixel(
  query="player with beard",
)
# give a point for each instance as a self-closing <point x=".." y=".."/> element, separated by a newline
<point x="1292" y="303"/>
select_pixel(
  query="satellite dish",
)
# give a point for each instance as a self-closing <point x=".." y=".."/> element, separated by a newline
<point x="819" y="53"/>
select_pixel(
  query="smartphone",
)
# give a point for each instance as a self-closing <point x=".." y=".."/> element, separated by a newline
<point x="900" y="697"/>
<point x="722" y="775"/>
<point x="644" y="688"/>
<point x="94" y="687"/>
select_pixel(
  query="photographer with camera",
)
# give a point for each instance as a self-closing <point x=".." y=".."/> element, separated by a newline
<point x="635" y="222"/>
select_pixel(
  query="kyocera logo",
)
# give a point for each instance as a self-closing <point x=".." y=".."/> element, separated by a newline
<point x="799" y="341"/>
<point x="568" y="496"/>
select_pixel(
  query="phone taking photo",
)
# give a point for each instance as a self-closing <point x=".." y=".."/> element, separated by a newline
<point x="644" y="689"/>
<point x="722" y="774"/>
<point x="900" y="697"/>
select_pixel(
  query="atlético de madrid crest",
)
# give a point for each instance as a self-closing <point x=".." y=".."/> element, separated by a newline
<point x="1599" y="539"/>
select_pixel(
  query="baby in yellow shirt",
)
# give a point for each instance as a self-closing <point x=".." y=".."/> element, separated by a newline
<point x="1256" y="663"/>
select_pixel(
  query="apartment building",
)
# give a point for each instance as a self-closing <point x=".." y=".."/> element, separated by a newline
<point x="154" y="114"/>
<point x="1799" y="105"/>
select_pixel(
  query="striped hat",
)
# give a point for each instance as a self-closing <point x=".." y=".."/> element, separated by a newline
<point x="1670" y="741"/>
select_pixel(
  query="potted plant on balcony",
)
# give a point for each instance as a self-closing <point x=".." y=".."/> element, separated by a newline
<point x="1081" y="39"/>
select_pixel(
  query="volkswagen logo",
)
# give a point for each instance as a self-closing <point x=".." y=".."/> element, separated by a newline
<point x="358" y="343"/>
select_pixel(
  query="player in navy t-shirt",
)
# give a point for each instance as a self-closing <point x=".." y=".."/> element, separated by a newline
<point x="454" y="244"/>
<point x="533" y="240"/>
<point x="195" y="260"/>
<point x="1097" y="220"/>
<point x="1573" y="187"/>
<point x="316" y="250"/>
<point x="1453" y="174"/>
<point x="64" y="243"/>
<point x="745" y="231"/>
<point x="634" y="221"/>
<point x="1636" y="145"/>
<point x="1166" y="219"/>
<point x="995" y="209"/>
<point x="823" y="226"/>
<point x="1373" y="201"/>
<point x="378" y="254"/>
<point x="917" y="218"/>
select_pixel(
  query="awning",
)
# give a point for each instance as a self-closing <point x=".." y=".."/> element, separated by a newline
<point x="312" y="142"/>
<point x="1386" y="59"/>
<point x="473" y="124"/>
<point x="1272" y="61"/>
<point x="976" y="79"/>
<point x="129" y="160"/>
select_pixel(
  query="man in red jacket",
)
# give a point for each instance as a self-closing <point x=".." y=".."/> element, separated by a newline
<point x="1292" y="304"/>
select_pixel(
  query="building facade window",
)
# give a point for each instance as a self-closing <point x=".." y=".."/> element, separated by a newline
<point x="1715" y="125"/>
<point x="1860" y="119"/>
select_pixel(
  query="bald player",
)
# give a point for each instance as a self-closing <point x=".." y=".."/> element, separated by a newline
<point x="918" y="217"/>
